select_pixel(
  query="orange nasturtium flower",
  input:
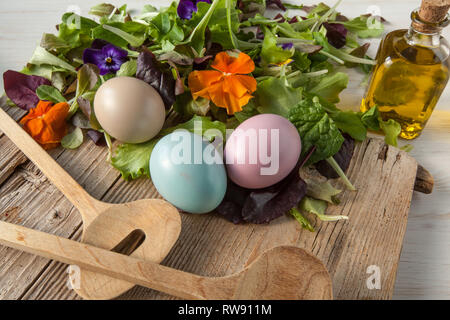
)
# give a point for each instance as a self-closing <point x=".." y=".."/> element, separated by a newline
<point x="228" y="86"/>
<point x="47" y="123"/>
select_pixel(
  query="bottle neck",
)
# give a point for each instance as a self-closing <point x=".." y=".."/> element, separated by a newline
<point x="429" y="39"/>
<point x="424" y="33"/>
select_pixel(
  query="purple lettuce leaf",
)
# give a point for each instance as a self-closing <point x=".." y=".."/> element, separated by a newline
<point x="336" y="34"/>
<point x="97" y="137"/>
<point x="21" y="88"/>
<point x="359" y="52"/>
<point x="265" y="205"/>
<point x="232" y="204"/>
<point x="275" y="3"/>
<point x="152" y="72"/>
<point x="85" y="106"/>
<point x="202" y="63"/>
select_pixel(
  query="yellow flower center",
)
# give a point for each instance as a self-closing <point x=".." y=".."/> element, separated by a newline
<point x="108" y="60"/>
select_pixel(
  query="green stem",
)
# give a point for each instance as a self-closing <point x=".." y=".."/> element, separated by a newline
<point x="109" y="144"/>
<point x="323" y="18"/>
<point x="350" y="58"/>
<point x="244" y="45"/>
<point x="134" y="41"/>
<point x="301" y="219"/>
<point x="341" y="173"/>
<point x="293" y="40"/>
<point x="230" y="31"/>
<point x="201" y="27"/>
<point x="329" y="55"/>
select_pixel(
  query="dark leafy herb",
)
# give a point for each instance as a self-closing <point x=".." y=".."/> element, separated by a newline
<point x="370" y="119"/>
<point x="316" y="128"/>
<point x="21" y="88"/>
<point x="342" y="157"/>
<point x="152" y="72"/>
<point x="350" y="122"/>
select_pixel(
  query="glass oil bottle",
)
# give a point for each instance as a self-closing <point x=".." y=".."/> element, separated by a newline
<point x="412" y="70"/>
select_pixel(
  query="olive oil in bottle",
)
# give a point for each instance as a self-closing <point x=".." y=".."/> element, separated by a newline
<point x="412" y="70"/>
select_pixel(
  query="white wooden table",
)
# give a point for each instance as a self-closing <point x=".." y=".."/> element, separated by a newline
<point x="425" y="261"/>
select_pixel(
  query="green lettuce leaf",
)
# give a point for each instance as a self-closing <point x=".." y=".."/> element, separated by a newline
<point x="132" y="160"/>
<point x="88" y="76"/>
<point x="49" y="93"/>
<point x="318" y="207"/>
<point x="73" y="140"/>
<point x="274" y="95"/>
<point x="316" y="128"/>
<point x="370" y="119"/>
<point x="271" y="53"/>
<point x="43" y="57"/>
<point x="322" y="190"/>
<point x="102" y="9"/>
<point x="128" y="69"/>
<point x="330" y="86"/>
<point x="365" y="26"/>
<point x="391" y="129"/>
<point x="351" y="123"/>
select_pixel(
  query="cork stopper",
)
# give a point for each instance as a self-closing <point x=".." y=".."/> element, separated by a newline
<point x="434" y="11"/>
<point x="431" y="17"/>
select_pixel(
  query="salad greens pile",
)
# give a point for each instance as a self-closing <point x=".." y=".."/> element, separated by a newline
<point x="300" y="54"/>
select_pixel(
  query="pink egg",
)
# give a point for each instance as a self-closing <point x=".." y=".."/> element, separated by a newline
<point x="262" y="151"/>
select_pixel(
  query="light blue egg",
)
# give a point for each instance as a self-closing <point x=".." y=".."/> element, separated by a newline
<point x="184" y="173"/>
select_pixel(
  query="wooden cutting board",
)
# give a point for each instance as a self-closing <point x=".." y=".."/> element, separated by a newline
<point x="210" y="245"/>
<point x="373" y="235"/>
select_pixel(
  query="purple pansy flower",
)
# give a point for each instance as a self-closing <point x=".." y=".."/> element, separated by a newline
<point x="287" y="46"/>
<point x="187" y="7"/>
<point x="107" y="57"/>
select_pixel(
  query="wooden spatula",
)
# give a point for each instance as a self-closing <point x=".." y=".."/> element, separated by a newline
<point x="104" y="225"/>
<point x="280" y="273"/>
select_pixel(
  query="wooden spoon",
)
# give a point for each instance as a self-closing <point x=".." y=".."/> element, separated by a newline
<point x="279" y="273"/>
<point x="108" y="224"/>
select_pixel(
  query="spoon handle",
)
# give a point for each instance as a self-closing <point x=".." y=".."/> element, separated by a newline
<point x="87" y="205"/>
<point x="148" y="274"/>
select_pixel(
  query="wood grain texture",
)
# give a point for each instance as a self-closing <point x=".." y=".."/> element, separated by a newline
<point x="105" y="225"/>
<point x="26" y="197"/>
<point x="211" y="246"/>
<point x="282" y="273"/>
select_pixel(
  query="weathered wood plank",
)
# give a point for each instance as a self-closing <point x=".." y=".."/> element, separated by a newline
<point x="10" y="158"/>
<point x="208" y="245"/>
<point x="28" y="198"/>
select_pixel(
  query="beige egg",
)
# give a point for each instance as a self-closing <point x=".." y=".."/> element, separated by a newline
<point x="129" y="109"/>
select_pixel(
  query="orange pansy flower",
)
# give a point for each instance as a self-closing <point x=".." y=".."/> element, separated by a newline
<point x="47" y="123"/>
<point x="228" y="86"/>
